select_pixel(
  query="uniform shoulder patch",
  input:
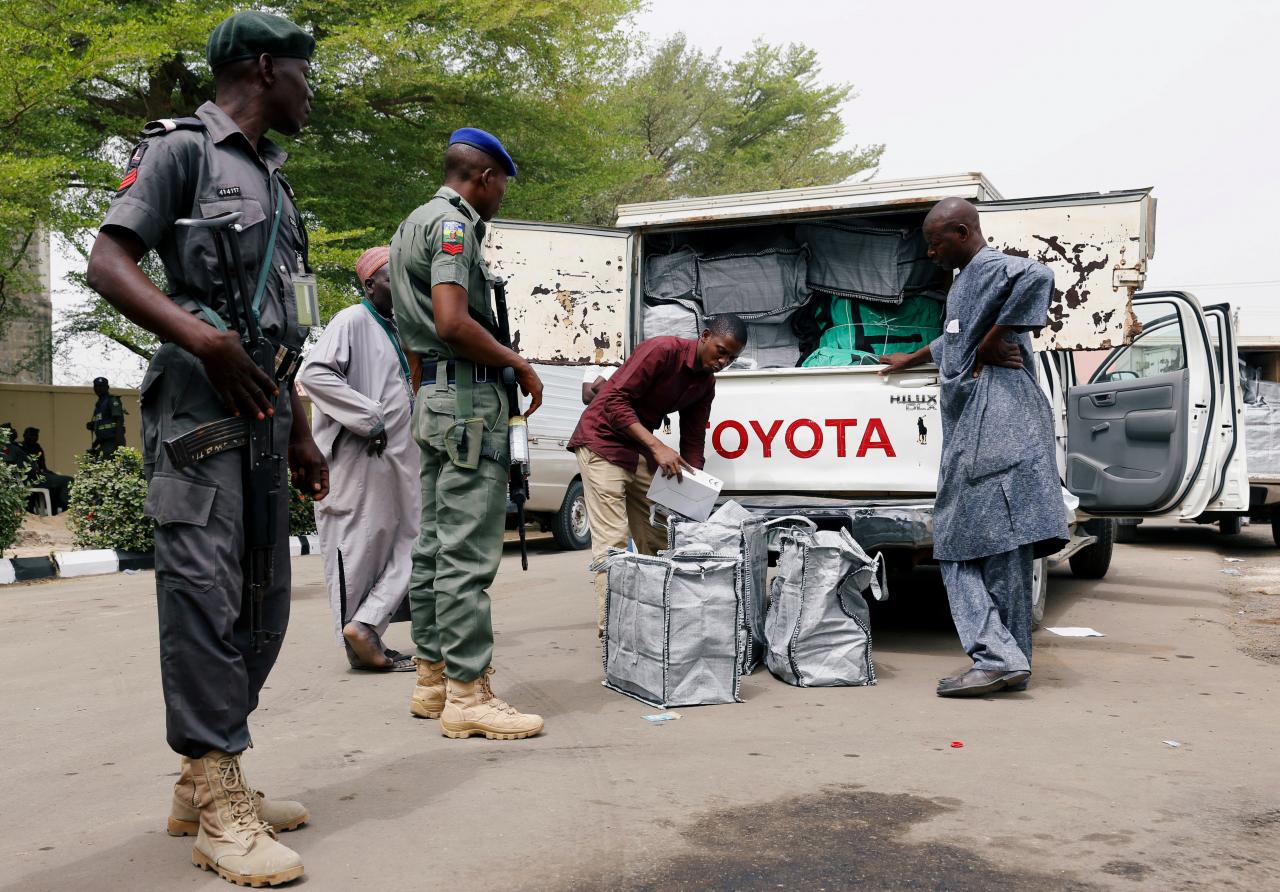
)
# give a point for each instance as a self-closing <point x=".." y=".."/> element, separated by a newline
<point x="453" y="234"/>
<point x="131" y="169"/>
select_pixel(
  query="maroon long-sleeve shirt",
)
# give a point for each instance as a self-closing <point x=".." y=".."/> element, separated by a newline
<point x="659" y="378"/>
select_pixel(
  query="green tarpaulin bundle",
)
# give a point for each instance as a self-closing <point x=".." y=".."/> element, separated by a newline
<point x="859" y="333"/>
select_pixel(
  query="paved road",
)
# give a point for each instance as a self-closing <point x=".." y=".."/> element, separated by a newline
<point x="1068" y="786"/>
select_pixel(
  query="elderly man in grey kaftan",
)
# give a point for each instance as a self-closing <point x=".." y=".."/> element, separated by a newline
<point x="358" y="379"/>
<point x="999" y="504"/>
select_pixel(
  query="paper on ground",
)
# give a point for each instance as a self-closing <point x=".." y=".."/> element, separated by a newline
<point x="1076" y="632"/>
<point x="662" y="717"/>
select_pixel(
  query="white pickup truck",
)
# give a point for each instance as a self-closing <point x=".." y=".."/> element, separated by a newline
<point x="1154" y="431"/>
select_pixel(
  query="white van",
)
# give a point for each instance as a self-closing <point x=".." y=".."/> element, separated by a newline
<point x="1152" y="434"/>
<point x="556" y="501"/>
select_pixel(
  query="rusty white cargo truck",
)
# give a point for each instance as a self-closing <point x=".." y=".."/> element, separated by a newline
<point x="829" y="279"/>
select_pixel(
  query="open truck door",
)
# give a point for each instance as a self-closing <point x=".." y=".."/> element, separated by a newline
<point x="567" y="289"/>
<point x="567" y="297"/>
<point x="1232" y="492"/>
<point x="1145" y="436"/>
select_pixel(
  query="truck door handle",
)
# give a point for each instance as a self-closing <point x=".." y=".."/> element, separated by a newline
<point x="1100" y="428"/>
<point x="1103" y="399"/>
<point x="910" y="382"/>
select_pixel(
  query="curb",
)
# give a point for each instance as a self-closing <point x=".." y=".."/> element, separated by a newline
<point x="100" y="562"/>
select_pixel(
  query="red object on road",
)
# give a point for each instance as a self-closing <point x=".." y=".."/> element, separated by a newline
<point x="957" y="744"/>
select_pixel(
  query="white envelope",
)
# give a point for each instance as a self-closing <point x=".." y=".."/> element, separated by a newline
<point x="694" y="497"/>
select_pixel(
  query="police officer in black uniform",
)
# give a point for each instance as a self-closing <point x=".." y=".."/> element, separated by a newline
<point x="107" y="423"/>
<point x="218" y="161"/>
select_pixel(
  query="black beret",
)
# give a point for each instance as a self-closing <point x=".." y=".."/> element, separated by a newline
<point x="249" y="34"/>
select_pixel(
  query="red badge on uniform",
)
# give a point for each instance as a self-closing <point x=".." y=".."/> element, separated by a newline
<point x="452" y="236"/>
<point x="131" y="169"/>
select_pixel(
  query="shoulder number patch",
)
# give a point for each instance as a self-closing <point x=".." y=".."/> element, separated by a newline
<point x="452" y="235"/>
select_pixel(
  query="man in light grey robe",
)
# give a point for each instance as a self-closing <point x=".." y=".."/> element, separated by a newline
<point x="358" y="379"/>
<point x="999" y="504"/>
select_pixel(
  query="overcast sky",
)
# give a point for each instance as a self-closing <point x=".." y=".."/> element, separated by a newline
<point x="1044" y="99"/>
<point x="1057" y="98"/>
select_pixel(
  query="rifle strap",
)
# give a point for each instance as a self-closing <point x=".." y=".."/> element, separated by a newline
<point x="270" y="254"/>
<point x="213" y="318"/>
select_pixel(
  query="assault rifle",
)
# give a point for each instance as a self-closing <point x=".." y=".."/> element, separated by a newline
<point x="517" y="427"/>
<point x="262" y="465"/>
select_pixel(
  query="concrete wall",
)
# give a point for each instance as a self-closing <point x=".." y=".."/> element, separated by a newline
<point x="61" y="414"/>
<point x="26" y="350"/>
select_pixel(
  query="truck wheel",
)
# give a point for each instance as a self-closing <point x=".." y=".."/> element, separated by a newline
<point x="1039" y="589"/>
<point x="569" y="525"/>
<point x="1126" y="532"/>
<point x="1094" y="561"/>
<point x="1275" y="524"/>
<point x="1229" y="525"/>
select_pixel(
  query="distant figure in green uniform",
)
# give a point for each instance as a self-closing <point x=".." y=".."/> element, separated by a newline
<point x="440" y="289"/>
<point x="107" y="423"/>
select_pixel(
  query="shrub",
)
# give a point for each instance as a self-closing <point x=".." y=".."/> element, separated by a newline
<point x="106" y="503"/>
<point x="302" y="513"/>
<point x="13" y="498"/>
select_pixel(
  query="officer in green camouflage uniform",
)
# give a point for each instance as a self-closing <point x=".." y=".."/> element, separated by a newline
<point x="440" y="287"/>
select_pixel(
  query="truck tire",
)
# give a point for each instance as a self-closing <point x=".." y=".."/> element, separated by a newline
<point x="1039" y="591"/>
<point x="1275" y="524"/>
<point x="1229" y="525"/>
<point x="569" y="526"/>
<point x="1094" y="561"/>
<point x="1126" y="532"/>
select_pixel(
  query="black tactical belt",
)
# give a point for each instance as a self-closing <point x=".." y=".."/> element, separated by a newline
<point x="483" y="374"/>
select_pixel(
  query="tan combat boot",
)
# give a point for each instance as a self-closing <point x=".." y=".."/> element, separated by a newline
<point x="233" y="841"/>
<point x="184" y="813"/>
<point x="428" y="693"/>
<point x="471" y="708"/>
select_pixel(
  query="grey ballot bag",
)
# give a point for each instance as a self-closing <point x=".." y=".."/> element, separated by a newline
<point x="734" y="529"/>
<point x="818" y="627"/>
<point x="673" y="626"/>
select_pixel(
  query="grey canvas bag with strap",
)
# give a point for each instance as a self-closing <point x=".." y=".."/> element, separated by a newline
<point x="732" y="528"/>
<point x="673" y="625"/>
<point x="818" y="627"/>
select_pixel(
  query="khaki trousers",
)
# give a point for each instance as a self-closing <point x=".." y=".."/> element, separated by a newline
<point x="617" y="502"/>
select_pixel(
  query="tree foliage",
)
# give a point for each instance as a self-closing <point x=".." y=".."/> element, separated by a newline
<point x="592" y="113"/>
<point x="13" y="497"/>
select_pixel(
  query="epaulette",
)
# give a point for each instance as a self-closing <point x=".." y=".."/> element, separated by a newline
<point x="457" y="203"/>
<point x="168" y="125"/>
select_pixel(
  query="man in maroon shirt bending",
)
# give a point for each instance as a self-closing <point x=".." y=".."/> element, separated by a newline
<point x="614" y="442"/>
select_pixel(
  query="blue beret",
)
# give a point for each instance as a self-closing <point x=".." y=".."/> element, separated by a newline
<point x="249" y="34"/>
<point x="485" y="142"/>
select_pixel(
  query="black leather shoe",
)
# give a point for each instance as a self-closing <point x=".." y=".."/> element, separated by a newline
<point x="977" y="682"/>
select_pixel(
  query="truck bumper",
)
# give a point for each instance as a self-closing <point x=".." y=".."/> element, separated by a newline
<point x="876" y="523"/>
